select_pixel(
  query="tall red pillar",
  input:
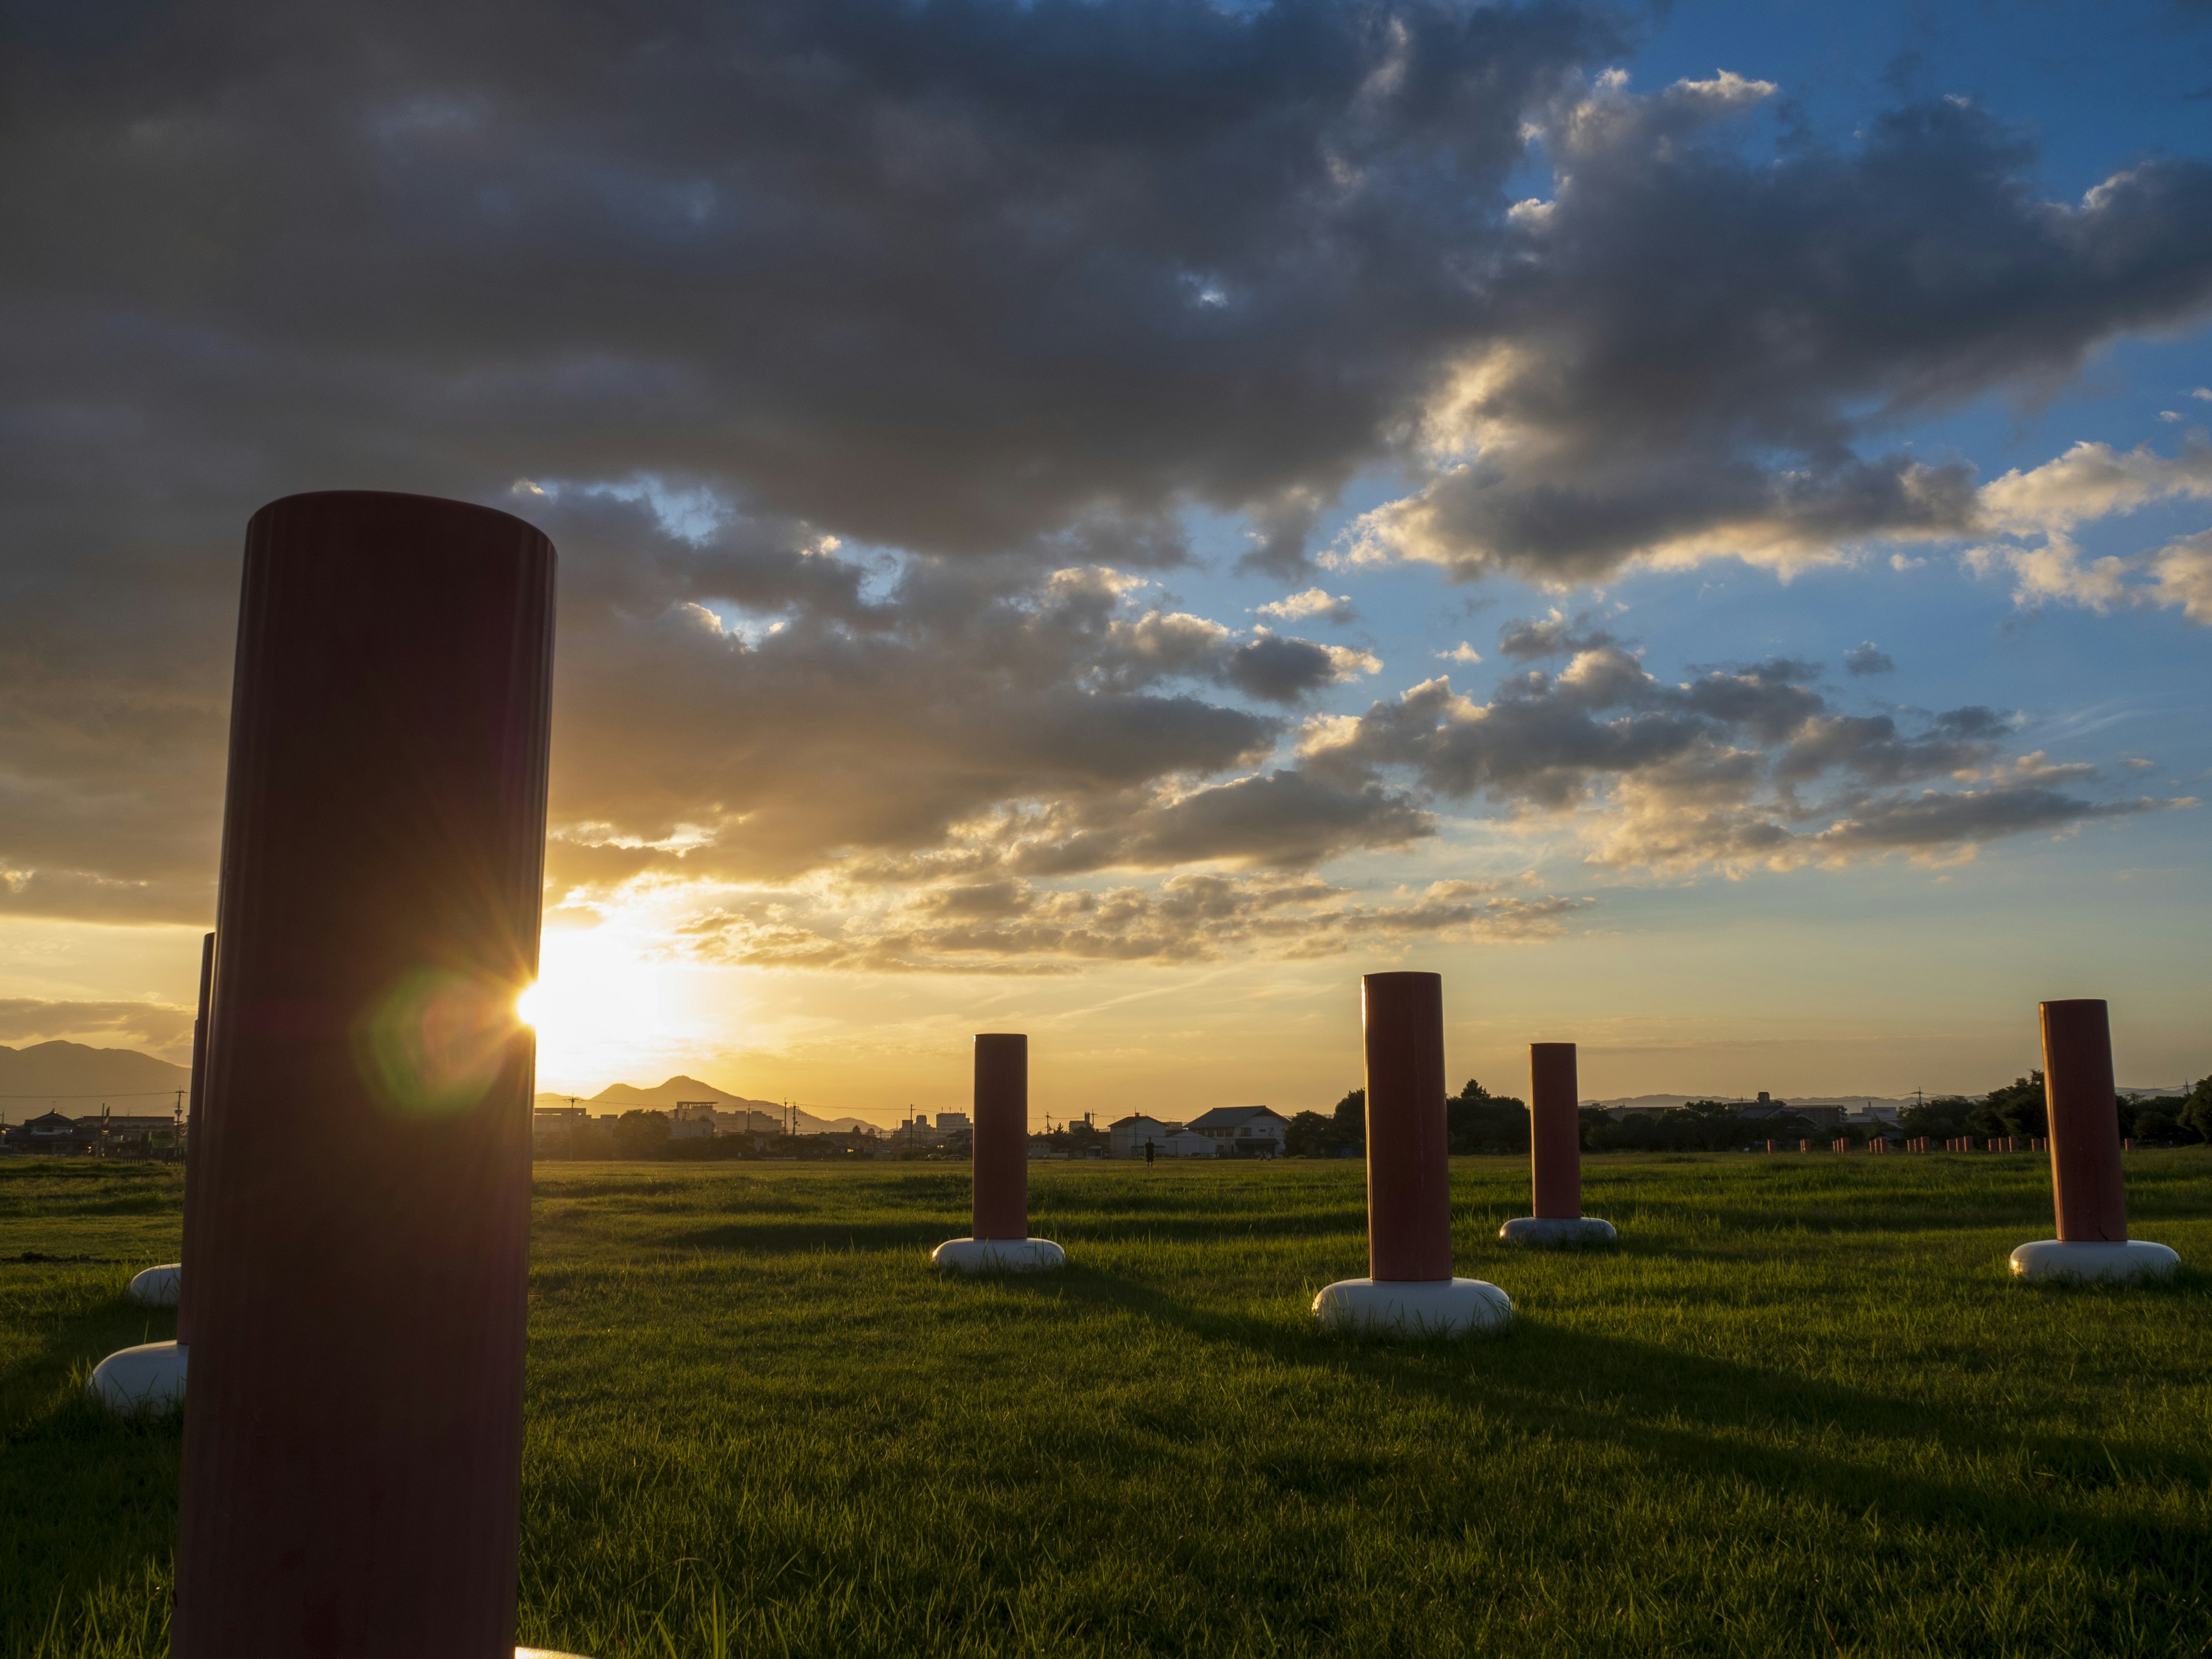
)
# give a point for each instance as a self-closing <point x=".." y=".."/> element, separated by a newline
<point x="1408" y="1177"/>
<point x="2085" y="1183"/>
<point x="1002" y="1136"/>
<point x="194" y="1123"/>
<point x="1555" y="1142"/>
<point x="1555" y="1156"/>
<point x="350" y="1487"/>
<point x="1409" y="1290"/>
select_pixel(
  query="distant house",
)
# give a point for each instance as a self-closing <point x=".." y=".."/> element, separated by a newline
<point x="1041" y="1146"/>
<point x="1126" y="1137"/>
<point x="55" y="1134"/>
<point x="950" y="1123"/>
<point x="1243" y="1131"/>
<point x="1189" y="1143"/>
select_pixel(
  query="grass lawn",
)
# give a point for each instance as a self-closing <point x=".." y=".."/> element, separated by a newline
<point x="1800" y="1410"/>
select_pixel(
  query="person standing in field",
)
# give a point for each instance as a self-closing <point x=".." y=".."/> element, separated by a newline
<point x="1152" y="1151"/>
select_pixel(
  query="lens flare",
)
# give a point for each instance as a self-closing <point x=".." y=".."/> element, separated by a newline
<point x="436" y="1041"/>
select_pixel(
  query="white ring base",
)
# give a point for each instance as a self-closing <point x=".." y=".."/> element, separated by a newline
<point x="157" y="1287"/>
<point x="147" y="1378"/>
<point x="998" y="1255"/>
<point x="1550" y="1229"/>
<point x="2058" y="1258"/>
<point x="1395" y="1307"/>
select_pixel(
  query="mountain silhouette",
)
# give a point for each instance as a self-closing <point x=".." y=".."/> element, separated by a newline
<point x="75" y="1080"/>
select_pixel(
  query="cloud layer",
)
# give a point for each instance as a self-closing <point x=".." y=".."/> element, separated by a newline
<point x="866" y="359"/>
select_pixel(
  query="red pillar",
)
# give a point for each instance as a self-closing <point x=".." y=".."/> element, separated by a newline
<point x="1555" y="1143"/>
<point x="1002" y="1136"/>
<point x="2085" y="1122"/>
<point x="194" y="1163"/>
<point x="1408" y="1180"/>
<point x="352" y="1455"/>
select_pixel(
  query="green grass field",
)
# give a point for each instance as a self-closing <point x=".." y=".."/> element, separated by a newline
<point x="1800" y="1410"/>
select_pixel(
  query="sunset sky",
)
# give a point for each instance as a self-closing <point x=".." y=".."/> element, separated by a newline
<point x="1110" y="521"/>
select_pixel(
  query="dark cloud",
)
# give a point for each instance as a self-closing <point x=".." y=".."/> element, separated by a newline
<point x="1283" y="671"/>
<point x="1867" y="658"/>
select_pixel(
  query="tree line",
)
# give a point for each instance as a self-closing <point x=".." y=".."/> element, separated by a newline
<point x="1476" y="1120"/>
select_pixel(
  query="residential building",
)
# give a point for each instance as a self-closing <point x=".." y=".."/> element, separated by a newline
<point x="1243" y="1131"/>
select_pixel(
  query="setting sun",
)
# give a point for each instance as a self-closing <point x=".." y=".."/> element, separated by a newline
<point x="600" y="1003"/>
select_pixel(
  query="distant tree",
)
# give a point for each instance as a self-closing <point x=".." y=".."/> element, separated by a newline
<point x="2015" y="1109"/>
<point x="2195" y="1113"/>
<point x="1079" y="1139"/>
<point x="1310" y="1134"/>
<point x="641" y="1134"/>
<point x="1351" y="1120"/>
<point x="1476" y="1120"/>
<point x="2152" y="1122"/>
<point x="1595" y="1127"/>
<point x="1944" y="1118"/>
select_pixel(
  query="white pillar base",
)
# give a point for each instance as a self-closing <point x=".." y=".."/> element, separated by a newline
<point x="1434" y="1307"/>
<point x="543" y="1653"/>
<point x="157" y="1287"/>
<point x="998" y="1255"/>
<point x="2056" y="1258"/>
<point x="1559" y="1230"/>
<point x="147" y="1378"/>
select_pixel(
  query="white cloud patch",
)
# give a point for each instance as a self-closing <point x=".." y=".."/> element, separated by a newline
<point x="1313" y="601"/>
<point x="2038" y="511"/>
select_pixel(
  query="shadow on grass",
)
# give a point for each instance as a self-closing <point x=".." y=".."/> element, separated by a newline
<point x="1706" y="1416"/>
<point x="773" y="1235"/>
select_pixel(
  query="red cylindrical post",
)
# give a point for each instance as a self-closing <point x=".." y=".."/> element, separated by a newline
<point x="2086" y="1184"/>
<point x="1555" y="1144"/>
<point x="194" y="1162"/>
<point x="1002" y="1136"/>
<point x="1409" y="1180"/>
<point x="352" y="1455"/>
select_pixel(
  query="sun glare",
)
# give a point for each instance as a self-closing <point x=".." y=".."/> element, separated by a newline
<point x="599" y="1004"/>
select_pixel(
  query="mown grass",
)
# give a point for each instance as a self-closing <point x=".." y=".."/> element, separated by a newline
<point x="1800" y="1410"/>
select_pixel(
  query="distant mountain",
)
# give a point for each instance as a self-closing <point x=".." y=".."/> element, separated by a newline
<point x="73" y="1080"/>
<point x="618" y="1098"/>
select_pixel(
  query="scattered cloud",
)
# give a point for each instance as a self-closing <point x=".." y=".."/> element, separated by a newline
<point x="1620" y="417"/>
<point x="1867" y="658"/>
<point x="1739" y="769"/>
<point x="1552" y="635"/>
<point x="1461" y="653"/>
<point x="1019" y="928"/>
<point x="157" y="1027"/>
<point x="2038" y="511"/>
